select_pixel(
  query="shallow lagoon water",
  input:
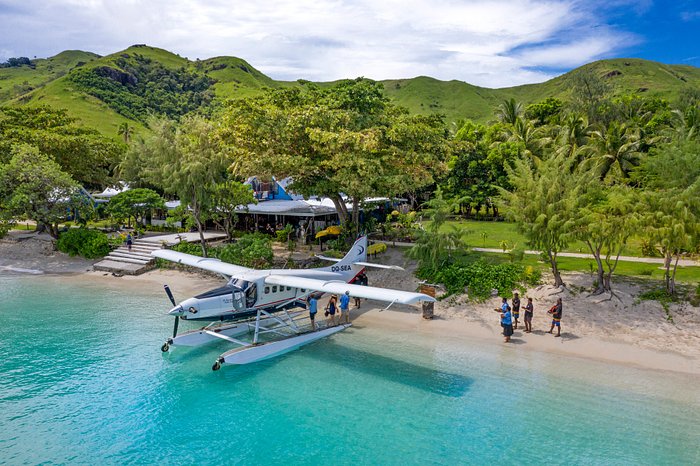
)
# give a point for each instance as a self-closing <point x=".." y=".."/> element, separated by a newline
<point x="83" y="382"/>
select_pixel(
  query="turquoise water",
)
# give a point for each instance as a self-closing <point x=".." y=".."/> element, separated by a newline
<point x="83" y="382"/>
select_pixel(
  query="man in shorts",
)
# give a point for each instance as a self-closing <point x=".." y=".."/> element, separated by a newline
<point x="516" y="310"/>
<point x="556" y="317"/>
<point x="345" y="307"/>
<point x="312" y="305"/>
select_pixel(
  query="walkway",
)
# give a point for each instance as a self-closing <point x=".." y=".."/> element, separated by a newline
<point x="647" y="260"/>
<point x="139" y="259"/>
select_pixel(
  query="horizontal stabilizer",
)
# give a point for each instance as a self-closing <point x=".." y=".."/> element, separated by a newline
<point x="379" y="266"/>
<point x="326" y="258"/>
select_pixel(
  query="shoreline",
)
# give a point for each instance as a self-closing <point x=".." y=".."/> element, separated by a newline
<point x="617" y="331"/>
<point x="587" y="348"/>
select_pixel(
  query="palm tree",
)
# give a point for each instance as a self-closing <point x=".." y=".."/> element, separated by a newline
<point x="509" y="111"/>
<point x="571" y="139"/>
<point x="125" y="131"/>
<point x="615" y="149"/>
<point x="532" y="139"/>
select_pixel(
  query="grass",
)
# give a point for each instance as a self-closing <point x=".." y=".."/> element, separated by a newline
<point x="640" y="270"/>
<point x="497" y="232"/>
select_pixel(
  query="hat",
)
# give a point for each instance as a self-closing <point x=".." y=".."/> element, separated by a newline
<point x="347" y="292"/>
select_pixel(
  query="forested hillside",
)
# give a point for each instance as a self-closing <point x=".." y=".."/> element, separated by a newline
<point x="126" y="87"/>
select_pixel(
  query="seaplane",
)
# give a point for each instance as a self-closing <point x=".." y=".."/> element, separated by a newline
<point x="270" y="305"/>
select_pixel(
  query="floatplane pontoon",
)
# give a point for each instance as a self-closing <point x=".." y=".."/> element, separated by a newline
<point x="264" y="304"/>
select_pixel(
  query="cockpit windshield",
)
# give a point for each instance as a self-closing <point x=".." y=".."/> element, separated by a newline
<point x="239" y="283"/>
<point x="217" y="292"/>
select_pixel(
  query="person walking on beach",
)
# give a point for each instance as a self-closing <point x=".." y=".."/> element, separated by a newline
<point x="345" y="307"/>
<point x="529" y="311"/>
<point x="330" y="310"/>
<point x="556" y="317"/>
<point x="516" y="310"/>
<point x="129" y="241"/>
<point x="312" y="305"/>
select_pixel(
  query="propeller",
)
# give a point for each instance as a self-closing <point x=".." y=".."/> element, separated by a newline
<point x="172" y="300"/>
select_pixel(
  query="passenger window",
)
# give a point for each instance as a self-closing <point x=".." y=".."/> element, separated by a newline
<point x="289" y="288"/>
<point x="303" y="290"/>
<point x="274" y="288"/>
<point x="267" y="290"/>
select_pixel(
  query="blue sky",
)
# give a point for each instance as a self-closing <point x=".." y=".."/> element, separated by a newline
<point x="492" y="43"/>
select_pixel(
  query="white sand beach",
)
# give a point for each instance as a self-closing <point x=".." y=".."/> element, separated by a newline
<point x="621" y="331"/>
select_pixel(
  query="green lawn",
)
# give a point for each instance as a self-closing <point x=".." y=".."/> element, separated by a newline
<point x="496" y="232"/>
<point x="652" y="272"/>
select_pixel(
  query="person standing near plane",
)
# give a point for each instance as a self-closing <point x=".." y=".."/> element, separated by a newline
<point x="331" y="307"/>
<point x="313" y="308"/>
<point x="345" y="307"/>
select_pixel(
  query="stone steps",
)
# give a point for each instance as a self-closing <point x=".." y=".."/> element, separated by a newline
<point x="134" y="262"/>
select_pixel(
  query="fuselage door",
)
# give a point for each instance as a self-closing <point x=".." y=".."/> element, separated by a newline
<point x="251" y="295"/>
<point x="238" y="301"/>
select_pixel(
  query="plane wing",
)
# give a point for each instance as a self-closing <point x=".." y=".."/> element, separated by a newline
<point x="339" y="287"/>
<point x="212" y="265"/>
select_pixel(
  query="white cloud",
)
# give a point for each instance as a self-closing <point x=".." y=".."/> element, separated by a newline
<point x="491" y="43"/>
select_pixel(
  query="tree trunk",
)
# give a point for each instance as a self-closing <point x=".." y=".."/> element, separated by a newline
<point x="196" y="214"/>
<point x="340" y="208"/>
<point x="555" y="269"/>
<point x="667" y="270"/>
<point x="356" y="215"/>
<point x="611" y="269"/>
<point x="600" y="285"/>
<point x="53" y="230"/>
<point x="673" y="277"/>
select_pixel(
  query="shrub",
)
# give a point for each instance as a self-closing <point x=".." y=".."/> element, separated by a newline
<point x="90" y="244"/>
<point x="481" y="277"/>
<point x="252" y="250"/>
<point x="188" y="248"/>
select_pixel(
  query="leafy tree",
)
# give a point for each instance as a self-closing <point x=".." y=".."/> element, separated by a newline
<point x="83" y="153"/>
<point x="33" y="185"/>
<point x="227" y="196"/>
<point x="347" y="139"/>
<point x="589" y="95"/>
<point x="544" y="112"/>
<point x="136" y="203"/>
<point x="671" y="214"/>
<point x="434" y="247"/>
<point x="186" y="160"/>
<point x="671" y="222"/>
<point x="541" y="204"/>
<point x="605" y="219"/>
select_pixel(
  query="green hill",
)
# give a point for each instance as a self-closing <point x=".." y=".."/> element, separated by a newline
<point x="103" y="92"/>
<point x="21" y="80"/>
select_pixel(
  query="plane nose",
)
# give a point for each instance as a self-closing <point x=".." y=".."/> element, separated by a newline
<point x="176" y="311"/>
